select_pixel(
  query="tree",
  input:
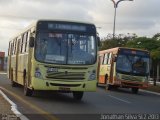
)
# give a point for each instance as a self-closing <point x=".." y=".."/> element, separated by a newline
<point x="157" y="36"/>
<point x="143" y="43"/>
<point x="156" y="59"/>
<point x="119" y="40"/>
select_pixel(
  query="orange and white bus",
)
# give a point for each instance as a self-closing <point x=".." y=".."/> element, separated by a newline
<point x="55" y="55"/>
<point x="124" y="67"/>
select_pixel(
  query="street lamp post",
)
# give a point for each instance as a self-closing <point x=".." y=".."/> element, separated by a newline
<point x="115" y="12"/>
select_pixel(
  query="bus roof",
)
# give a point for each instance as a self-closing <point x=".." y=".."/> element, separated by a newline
<point x="65" y="20"/>
<point x="115" y="50"/>
<point x="34" y="23"/>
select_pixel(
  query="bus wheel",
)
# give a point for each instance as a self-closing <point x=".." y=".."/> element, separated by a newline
<point x="108" y="87"/>
<point x="13" y="84"/>
<point x="135" y="90"/>
<point x="27" y="91"/>
<point x="78" y="95"/>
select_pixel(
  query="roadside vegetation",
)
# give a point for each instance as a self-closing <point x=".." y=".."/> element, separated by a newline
<point x="153" y="88"/>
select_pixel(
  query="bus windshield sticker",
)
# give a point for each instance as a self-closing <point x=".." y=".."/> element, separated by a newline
<point x="55" y="35"/>
<point x="51" y="58"/>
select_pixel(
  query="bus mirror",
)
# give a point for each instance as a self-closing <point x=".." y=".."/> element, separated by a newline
<point x="31" y="42"/>
<point x="114" y="58"/>
<point x="98" y="39"/>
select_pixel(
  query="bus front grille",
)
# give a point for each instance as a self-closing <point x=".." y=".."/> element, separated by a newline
<point x="131" y="78"/>
<point x="131" y="84"/>
<point x="66" y="75"/>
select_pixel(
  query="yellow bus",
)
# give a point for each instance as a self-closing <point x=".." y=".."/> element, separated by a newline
<point x="124" y="67"/>
<point x="55" y="55"/>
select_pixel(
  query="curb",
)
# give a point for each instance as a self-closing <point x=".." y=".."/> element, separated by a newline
<point x="155" y="93"/>
<point x="14" y="107"/>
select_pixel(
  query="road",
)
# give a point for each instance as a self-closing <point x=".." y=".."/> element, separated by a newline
<point x="51" y="105"/>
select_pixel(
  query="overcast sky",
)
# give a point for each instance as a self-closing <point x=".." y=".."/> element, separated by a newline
<point x="140" y="16"/>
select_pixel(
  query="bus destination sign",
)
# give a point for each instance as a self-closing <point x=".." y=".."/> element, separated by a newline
<point x="72" y="27"/>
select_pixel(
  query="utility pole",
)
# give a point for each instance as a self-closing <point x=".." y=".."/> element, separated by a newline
<point x="115" y="12"/>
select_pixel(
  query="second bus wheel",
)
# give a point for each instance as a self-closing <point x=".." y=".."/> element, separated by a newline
<point x="78" y="95"/>
<point x="108" y="87"/>
<point x="135" y="90"/>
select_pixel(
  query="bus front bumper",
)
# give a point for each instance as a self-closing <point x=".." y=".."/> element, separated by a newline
<point x="131" y="84"/>
<point x="40" y="84"/>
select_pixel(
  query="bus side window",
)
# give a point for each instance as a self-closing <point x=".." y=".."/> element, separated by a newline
<point x="105" y="60"/>
<point x="24" y="42"/>
<point x="9" y="48"/>
<point x="21" y="45"/>
<point x="100" y="59"/>
<point x="27" y="42"/>
<point x="15" y="46"/>
<point x="109" y="58"/>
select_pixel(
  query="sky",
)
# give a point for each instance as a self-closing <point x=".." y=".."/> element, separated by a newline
<point x="139" y="16"/>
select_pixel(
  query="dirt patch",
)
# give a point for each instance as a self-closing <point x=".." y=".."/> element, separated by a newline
<point x="153" y="88"/>
<point x="5" y="107"/>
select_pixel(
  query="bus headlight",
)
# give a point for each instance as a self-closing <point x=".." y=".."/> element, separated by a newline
<point x="38" y="73"/>
<point x="92" y="75"/>
<point x="118" y="76"/>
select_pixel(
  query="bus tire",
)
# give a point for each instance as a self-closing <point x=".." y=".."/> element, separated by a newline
<point x="135" y="90"/>
<point x="78" y="95"/>
<point x="27" y="91"/>
<point x="108" y="87"/>
<point x="13" y="84"/>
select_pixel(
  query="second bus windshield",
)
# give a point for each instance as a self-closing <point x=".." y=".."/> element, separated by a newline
<point x="62" y="48"/>
<point x="132" y="64"/>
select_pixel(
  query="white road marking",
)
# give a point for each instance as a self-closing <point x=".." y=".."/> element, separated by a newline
<point x="14" y="107"/>
<point x="119" y="99"/>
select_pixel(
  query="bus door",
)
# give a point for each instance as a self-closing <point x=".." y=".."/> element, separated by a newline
<point x="111" y="62"/>
<point x="101" y="70"/>
<point x="30" y="51"/>
<point x="105" y="69"/>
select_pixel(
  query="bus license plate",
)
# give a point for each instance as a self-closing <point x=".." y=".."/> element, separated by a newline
<point x="64" y="88"/>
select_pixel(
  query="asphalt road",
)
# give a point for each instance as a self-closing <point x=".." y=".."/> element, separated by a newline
<point x="51" y="105"/>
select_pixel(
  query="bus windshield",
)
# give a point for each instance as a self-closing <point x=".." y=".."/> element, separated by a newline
<point x="133" y="64"/>
<point x="63" y="48"/>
